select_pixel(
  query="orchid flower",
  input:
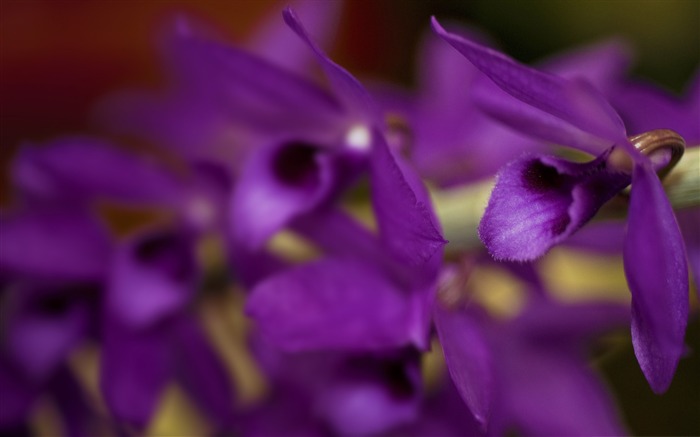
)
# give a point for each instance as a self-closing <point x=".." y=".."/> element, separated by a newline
<point x="316" y="393"/>
<point x="151" y="277"/>
<point x="529" y="373"/>
<point x="451" y="139"/>
<point x="52" y="264"/>
<point x="538" y="201"/>
<point x="371" y="291"/>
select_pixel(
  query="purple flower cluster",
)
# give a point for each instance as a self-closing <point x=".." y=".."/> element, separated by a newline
<point x="107" y="247"/>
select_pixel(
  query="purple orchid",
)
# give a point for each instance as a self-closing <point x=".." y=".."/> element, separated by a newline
<point x="149" y="334"/>
<point x="336" y="393"/>
<point x="539" y="201"/>
<point x="681" y="115"/>
<point x="451" y="138"/>
<point x="52" y="265"/>
<point x="328" y="303"/>
<point x="193" y="115"/>
<point x="529" y="373"/>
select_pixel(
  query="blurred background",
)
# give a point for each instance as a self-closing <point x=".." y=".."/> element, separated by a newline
<point x="58" y="57"/>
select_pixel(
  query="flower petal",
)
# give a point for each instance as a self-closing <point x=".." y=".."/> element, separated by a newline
<point x="154" y="276"/>
<point x="135" y="367"/>
<point x="201" y="372"/>
<point x="371" y="395"/>
<point x="251" y="89"/>
<point x="633" y="100"/>
<point x="272" y="39"/>
<point x="573" y="102"/>
<point x="336" y="304"/>
<point x="468" y="359"/>
<point x="688" y="220"/>
<point x="657" y="274"/>
<point x="539" y="201"/>
<point x="406" y="223"/>
<point x="279" y="183"/>
<point x="556" y="394"/>
<point x="348" y="89"/>
<point x="84" y="169"/>
<point x="53" y="244"/>
<point x="45" y="326"/>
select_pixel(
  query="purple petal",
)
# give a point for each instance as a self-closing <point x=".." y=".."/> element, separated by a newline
<point x="154" y="276"/>
<point x="601" y="64"/>
<point x="202" y="373"/>
<point x="633" y="101"/>
<point x="404" y="218"/>
<point x="348" y="89"/>
<point x="53" y="245"/>
<point x="371" y="395"/>
<point x="540" y="201"/>
<point x="688" y="220"/>
<point x="135" y="367"/>
<point x="45" y="326"/>
<point x="279" y="183"/>
<point x="657" y="274"/>
<point x="18" y="395"/>
<point x="468" y="359"/>
<point x="572" y="102"/>
<point x="555" y="394"/>
<point x="569" y="326"/>
<point x="273" y="42"/>
<point x="84" y="168"/>
<point x="606" y="237"/>
<point x="249" y="88"/>
<point x="334" y="303"/>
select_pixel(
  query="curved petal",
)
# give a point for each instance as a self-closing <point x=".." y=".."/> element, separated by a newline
<point x="468" y="359"/>
<point x="279" y="183"/>
<point x="573" y="102"/>
<point x="84" y="169"/>
<point x="154" y="276"/>
<point x="134" y="369"/>
<point x="406" y="223"/>
<point x="657" y="274"/>
<point x="539" y="201"/>
<point x="348" y="89"/>
<point x="336" y="304"/>
<point x="272" y="40"/>
<point x="202" y="373"/>
<point x="53" y="244"/>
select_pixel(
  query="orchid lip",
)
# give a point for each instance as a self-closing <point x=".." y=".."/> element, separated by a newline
<point x="665" y="145"/>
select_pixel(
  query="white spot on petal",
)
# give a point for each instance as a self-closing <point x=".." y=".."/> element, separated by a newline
<point x="359" y="138"/>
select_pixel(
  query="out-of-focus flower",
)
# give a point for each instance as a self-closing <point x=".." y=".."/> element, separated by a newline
<point x="452" y="140"/>
<point x="52" y="264"/>
<point x="149" y="336"/>
<point x="314" y="393"/>
<point x="372" y="291"/>
<point x="561" y="196"/>
<point x="531" y="373"/>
